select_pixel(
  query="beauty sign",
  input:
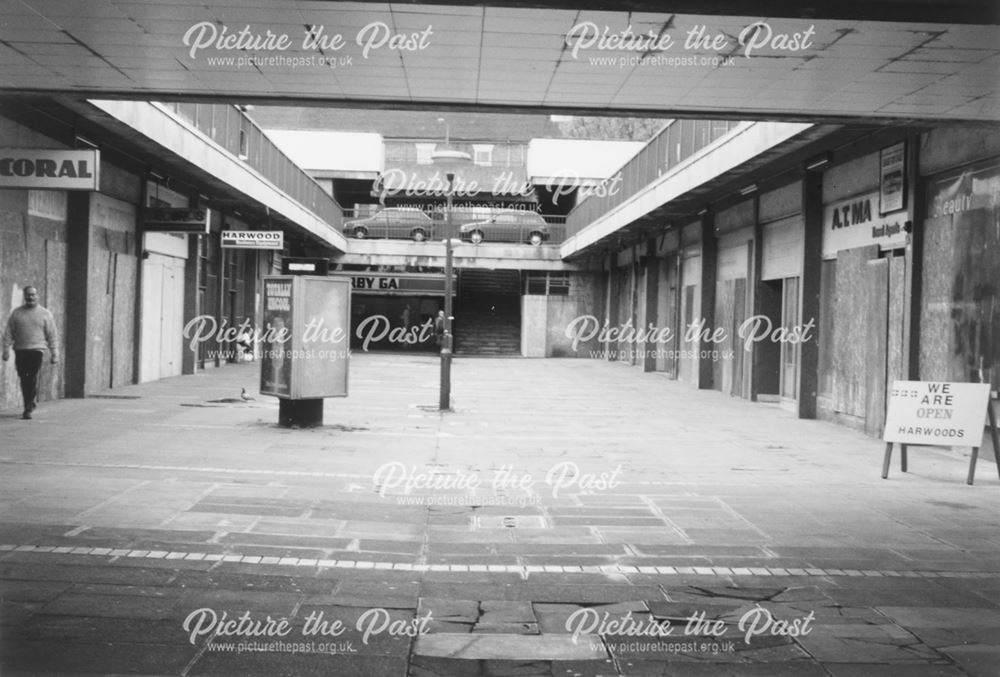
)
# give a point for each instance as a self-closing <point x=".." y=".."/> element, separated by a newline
<point x="937" y="413"/>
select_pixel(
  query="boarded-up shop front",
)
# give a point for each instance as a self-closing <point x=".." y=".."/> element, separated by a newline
<point x="960" y="309"/>
<point x="778" y="362"/>
<point x="863" y="281"/>
<point x="690" y="306"/>
<point x="734" y="227"/>
<point x="668" y="301"/>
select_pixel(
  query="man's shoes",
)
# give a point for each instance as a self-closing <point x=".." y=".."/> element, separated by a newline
<point x="26" y="415"/>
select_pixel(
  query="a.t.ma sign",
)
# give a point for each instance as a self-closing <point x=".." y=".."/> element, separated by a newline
<point x="856" y="222"/>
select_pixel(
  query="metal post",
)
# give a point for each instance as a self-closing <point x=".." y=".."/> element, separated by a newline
<point x="446" y="340"/>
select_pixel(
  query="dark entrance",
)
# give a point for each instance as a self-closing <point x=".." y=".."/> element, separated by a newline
<point x="488" y="312"/>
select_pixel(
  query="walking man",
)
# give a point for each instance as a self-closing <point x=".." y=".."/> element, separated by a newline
<point x="30" y="329"/>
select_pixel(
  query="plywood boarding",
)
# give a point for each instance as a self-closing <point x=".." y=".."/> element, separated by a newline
<point x="722" y="377"/>
<point x="874" y="349"/>
<point x="666" y="310"/>
<point x="852" y="312"/>
<point x="897" y="316"/>
<point x="732" y="258"/>
<point x="783" y="243"/>
<point x="780" y="203"/>
<point x="960" y="315"/>
<point x="826" y="326"/>
<point x="739" y="355"/>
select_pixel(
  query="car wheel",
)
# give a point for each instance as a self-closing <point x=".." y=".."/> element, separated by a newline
<point x="536" y="238"/>
<point x="476" y="236"/>
<point x="361" y="232"/>
<point x="419" y="235"/>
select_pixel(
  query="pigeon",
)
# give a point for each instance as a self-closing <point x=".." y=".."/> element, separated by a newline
<point x="245" y="397"/>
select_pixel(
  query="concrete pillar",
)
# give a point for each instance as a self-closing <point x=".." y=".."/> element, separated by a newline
<point x="613" y="302"/>
<point x="652" y="298"/>
<point x="913" y="282"/>
<point x="812" y="258"/>
<point x="709" y="266"/>
<point x="77" y="285"/>
<point x="755" y="358"/>
<point x="137" y="307"/>
<point x="192" y="306"/>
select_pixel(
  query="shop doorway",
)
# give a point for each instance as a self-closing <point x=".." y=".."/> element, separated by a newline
<point x="776" y="363"/>
<point x="394" y="323"/>
<point x="488" y="312"/>
<point x="790" y="318"/>
<point x="162" y="317"/>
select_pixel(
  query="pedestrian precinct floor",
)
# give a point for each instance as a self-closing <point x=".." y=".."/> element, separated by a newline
<point x="569" y="518"/>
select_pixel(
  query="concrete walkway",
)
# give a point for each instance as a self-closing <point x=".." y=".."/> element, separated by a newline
<point x="570" y="517"/>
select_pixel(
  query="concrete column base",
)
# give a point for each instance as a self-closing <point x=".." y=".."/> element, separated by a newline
<point x="301" y="413"/>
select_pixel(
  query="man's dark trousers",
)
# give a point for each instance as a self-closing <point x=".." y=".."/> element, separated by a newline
<point x="28" y="364"/>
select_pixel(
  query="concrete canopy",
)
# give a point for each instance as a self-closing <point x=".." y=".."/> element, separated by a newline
<point x="805" y="61"/>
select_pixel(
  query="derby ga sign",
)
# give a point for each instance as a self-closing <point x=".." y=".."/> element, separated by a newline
<point x="413" y="284"/>
<point x="253" y="239"/>
<point x="49" y="169"/>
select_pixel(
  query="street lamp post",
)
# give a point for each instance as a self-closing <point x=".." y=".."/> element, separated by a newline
<point x="446" y="339"/>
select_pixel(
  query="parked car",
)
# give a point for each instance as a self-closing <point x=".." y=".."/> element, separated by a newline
<point x="508" y="225"/>
<point x="393" y="222"/>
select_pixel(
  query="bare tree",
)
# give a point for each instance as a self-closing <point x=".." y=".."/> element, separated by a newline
<point x="611" y="129"/>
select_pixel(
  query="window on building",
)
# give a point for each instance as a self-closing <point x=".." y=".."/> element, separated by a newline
<point x="244" y="150"/>
<point x="400" y="152"/>
<point x="424" y="152"/>
<point x="547" y="284"/>
<point x="483" y="154"/>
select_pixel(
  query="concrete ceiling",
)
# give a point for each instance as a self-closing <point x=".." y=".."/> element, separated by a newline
<point x="888" y="60"/>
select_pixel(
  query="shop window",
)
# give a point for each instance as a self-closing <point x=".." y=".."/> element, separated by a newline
<point x="398" y="153"/>
<point x="483" y="154"/>
<point x="244" y="151"/>
<point x="424" y="153"/>
<point x="547" y="284"/>
<point x="515" y="155"/>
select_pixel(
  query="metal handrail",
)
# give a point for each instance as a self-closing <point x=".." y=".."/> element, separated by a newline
<point x="235" y="131"/>
<point x="675" y="143"/>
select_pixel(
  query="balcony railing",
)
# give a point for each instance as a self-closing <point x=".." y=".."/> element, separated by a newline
<point x="674" y="144"/>
<point x="229" y="127"/>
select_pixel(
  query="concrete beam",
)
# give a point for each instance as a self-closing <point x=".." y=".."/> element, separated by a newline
<point x="177" y="136"/>
<point x="747" y="142"/>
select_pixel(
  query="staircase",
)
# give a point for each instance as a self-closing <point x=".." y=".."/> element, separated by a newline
<point x="488" y="313"/>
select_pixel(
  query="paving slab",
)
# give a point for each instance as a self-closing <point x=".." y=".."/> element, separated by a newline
<point x="118" y="521"/>
<point x="524" y="647"/>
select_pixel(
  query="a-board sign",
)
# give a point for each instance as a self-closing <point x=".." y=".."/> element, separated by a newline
<point x="936" y="412"/>
<point x="253" y="239"/>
